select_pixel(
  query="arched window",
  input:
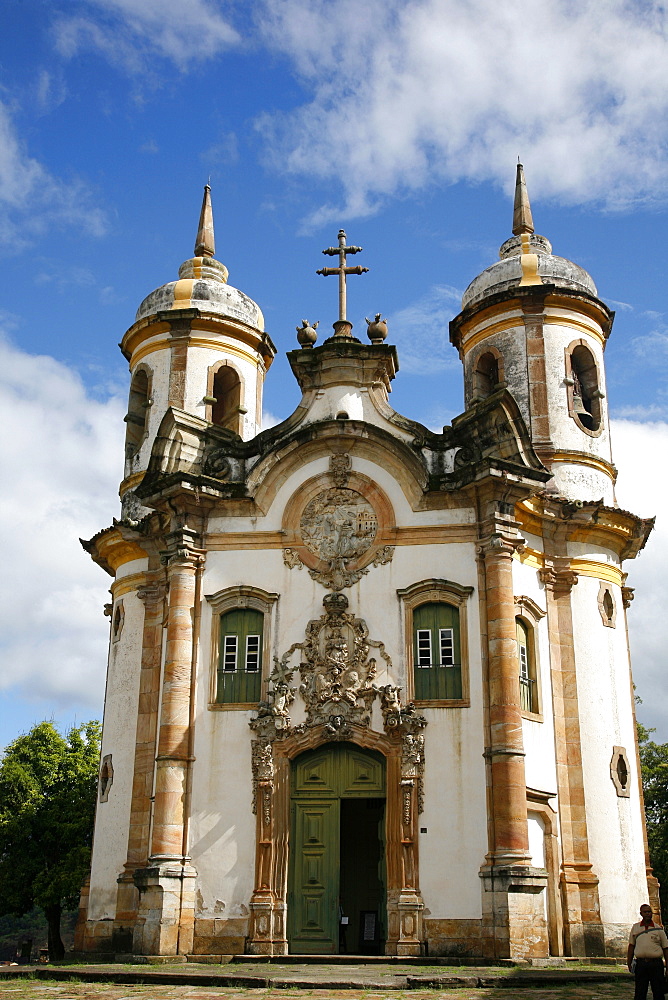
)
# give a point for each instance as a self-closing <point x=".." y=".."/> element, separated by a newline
<point x="584" y="396"/>
<point x="529" y="615"/>
<point x="486" y="375"/>
<point x="527" y="667"/>
<point x="136" y="419"/>
<point x="224" y="399"/>
<point x="240" y="656"/>
<point x="437" y="661"/>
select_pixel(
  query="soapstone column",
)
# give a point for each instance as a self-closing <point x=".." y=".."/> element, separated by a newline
<point x="514" y="924"/>
<point x="165" y="919"/>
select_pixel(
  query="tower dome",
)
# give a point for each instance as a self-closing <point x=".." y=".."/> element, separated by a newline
<point x="526" y="259"/>
<point x="197" y="345"/>
<point x="202" y="282"/>
<point x="533" y="323"/>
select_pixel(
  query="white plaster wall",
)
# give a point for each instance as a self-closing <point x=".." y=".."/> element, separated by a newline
<point x="606" y="720"/>
<point x="223" y="825"/>
<point x="131" y="567"/>
<point x="453" y="849"/>
<point x="222" y="841"/>
<point x="539" y="763"/>
<point x="112" y="818"/>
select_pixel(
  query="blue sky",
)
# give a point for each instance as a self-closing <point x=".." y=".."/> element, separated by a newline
<point x="401" y="122"/>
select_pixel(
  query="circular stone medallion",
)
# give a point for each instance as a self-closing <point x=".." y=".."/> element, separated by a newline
<point x="338" y="524"/>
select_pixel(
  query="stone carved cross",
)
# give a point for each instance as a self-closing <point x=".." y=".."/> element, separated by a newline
<point x="342" y="270"/>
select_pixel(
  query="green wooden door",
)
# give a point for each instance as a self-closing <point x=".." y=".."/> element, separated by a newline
<point x="320" y="780"/>
<point x="313" y="906"/>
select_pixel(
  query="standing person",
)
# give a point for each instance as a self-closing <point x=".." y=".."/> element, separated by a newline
<point x="648" y="944"/>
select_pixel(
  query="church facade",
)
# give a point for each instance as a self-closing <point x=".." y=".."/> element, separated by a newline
<point x="369" y="685"/>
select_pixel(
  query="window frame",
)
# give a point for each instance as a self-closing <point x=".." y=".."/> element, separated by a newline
<point x="436" y="591"/>
<point x="597" y="395"/>
<point x="132" y="446"/>
<point x="239" y="598"/>
<point x="234" y="419"/>
<point x="530" y="614"/>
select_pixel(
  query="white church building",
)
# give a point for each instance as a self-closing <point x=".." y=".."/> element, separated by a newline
<point x="369" y="687"/>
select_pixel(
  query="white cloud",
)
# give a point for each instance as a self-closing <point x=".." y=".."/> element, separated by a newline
<point x="405" y="92"/>
<point x="32" y="199"/>
<point x="639" y="449"/>
<point x="420" y="332"/>
<point x="127" y="31"/>
<point x="61" y="454"/>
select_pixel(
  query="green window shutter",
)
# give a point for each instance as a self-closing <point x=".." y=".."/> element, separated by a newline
<point x="240" y="656"/>
<point x="436" y="652"/>
<point x="527" y="674"/>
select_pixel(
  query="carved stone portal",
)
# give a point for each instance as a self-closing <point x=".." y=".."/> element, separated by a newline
<point x="336" y="683"/>
<point x="336" y="674"/>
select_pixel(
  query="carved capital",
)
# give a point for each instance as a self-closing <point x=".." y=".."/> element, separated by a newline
<point x="152" y="593"/>
<point x="628" y="594"/>
<point x="558" y="576"/>
<point x="499" y="545"/>
<point x="182" y="549"/>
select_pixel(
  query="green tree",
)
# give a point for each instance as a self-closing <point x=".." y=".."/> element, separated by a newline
<point x="48" y="786"/>
<point x="654" y="768"/>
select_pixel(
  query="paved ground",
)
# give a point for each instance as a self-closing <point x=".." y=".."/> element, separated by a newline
<point x="321" y="982"/>
<point x="27" y="989"/>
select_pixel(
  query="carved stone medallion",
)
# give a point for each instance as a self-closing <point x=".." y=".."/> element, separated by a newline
<point x="338" y="523"/>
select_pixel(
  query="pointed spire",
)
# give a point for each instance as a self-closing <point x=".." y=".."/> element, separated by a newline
<point x="522" y="219"/>
<point x="205" y="244"/>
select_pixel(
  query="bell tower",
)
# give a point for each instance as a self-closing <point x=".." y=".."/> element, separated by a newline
<point x="197" y="345"/>
<point x="533" y="323"/>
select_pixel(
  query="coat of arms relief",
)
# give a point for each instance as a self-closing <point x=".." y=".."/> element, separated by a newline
<point x="338" y="527"/>
<point x="336" y="684"/>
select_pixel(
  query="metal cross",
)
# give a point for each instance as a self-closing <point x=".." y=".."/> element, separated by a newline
<point x="342" y="270"/>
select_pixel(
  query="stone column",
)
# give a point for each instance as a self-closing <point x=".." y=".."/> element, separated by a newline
<point x="165" y="919"/>
<point x="514" y="923"/>
<point x="583" y="931"/>
<point x="410" y="904"/>
<point x="267" y="929"/>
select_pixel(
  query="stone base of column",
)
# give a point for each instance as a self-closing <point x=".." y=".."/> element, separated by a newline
<point x="166" y="911"/>
<point x="404" y="917"/>
<point x="127" y="900"/>
<point x="583" y="931"/>
<point x="514" y="923"/>
<point x="653" y="893"/>
<point x="267" y="930"/>
<point x="82" y="917"/>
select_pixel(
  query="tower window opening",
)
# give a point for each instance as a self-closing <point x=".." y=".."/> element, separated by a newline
<point x="226" y="411"/>
<point x="486" y="375"/>
<point x="136" y="419"/>
<point x="586" y="396"/>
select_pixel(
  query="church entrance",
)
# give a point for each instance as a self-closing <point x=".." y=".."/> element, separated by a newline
<point x="336" y="898"/>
